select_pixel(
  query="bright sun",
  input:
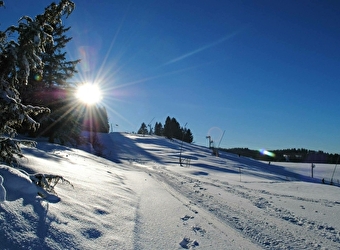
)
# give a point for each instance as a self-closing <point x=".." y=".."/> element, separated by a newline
<point x="89" y="93"/>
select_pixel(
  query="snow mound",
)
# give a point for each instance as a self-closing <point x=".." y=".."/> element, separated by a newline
<point x="16" y="184"/>
<point x="2" y="190"/>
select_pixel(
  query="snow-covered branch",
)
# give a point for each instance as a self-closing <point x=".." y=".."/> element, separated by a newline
<point x="18" y="57"/>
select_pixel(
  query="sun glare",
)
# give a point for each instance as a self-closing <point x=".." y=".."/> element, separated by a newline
<point x="89" y="93"/>
<point x="266" y="152"/>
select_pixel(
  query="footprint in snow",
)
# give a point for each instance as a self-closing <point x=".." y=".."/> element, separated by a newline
<point x="187" y="217"/>
<point x="91" y="233"/>
<point x="198" y="229"/>
<point x="188" y="243"/>
<point x="100" y="211"/>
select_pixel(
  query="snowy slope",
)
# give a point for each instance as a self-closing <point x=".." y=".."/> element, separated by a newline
<point x="139" y="197"/>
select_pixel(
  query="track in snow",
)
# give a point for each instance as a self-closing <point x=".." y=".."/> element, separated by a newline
<point x="252" y="212"/>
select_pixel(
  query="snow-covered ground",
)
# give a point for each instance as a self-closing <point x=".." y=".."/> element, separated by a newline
<point x="139" y="197"/>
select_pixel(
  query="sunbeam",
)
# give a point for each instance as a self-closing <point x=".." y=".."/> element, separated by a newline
<point x="164" y="74"/>
<point x="225" y="38"/>
<point x="113" y="41"/>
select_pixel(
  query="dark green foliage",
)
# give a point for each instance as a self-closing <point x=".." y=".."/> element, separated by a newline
<point x="18" y="59"/>
<point x="9" y="148"/>
<point x="176" y="129"/>
<point x="171" y="130"/>
<point x="167" y="131"/>
<point x="158" y="129"/>
<point x="48" y="87"/>
<point x="68" y="117"/>
<point x="56" y="68"/>
<point x="240" y="151"/>
<point x="64" y="124"/>
<point x="292" y="155"/>
<point x="103" y="120"/>
<point x="143" y="130"/>
<point x="187" y="137"/>
<point x="96" y="119"/>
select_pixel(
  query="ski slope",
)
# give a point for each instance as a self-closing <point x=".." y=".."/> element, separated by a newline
<point x="140" y="197"/>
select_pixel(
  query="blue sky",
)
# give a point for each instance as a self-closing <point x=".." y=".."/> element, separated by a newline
<point x="265" y="72"/>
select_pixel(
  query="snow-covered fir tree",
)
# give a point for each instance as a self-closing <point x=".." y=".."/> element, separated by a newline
<point x="18" y="58"/>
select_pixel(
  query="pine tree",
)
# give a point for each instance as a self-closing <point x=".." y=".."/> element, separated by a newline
<point x="187" y="136"/>
<point x="167" y="131"/>
<point x="62" y="124"/>
<point x="17" y="60"/>
<point x="158" y="129"/>
<point x="96" y="119"/>
<point x="56" y="68"/>
<point x="104" y="126"/>
<point x="65" y="122"/>
<point x="176" y="129"/>
<point x="172" y="130"/>
<point x="143" y="130"/>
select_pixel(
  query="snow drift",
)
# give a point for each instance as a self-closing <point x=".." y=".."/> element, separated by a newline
<point x="140" y="197"/>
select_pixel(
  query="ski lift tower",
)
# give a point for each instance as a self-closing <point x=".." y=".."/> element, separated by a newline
<point x="150" y="127"/>
<point x="210" y="141"/>
<point x="215" y="150"/>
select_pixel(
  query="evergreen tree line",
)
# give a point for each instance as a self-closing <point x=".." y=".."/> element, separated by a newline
<point x="291" y="155"/>
<point x="171" y="129"/>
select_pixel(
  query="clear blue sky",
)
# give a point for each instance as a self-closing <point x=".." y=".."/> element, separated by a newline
<point x="265" y="72"/>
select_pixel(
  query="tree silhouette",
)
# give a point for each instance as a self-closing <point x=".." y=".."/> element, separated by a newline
<point x="158" y="129"/>
<point x="143" y="130"/>
<point x="17" y="60"/>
